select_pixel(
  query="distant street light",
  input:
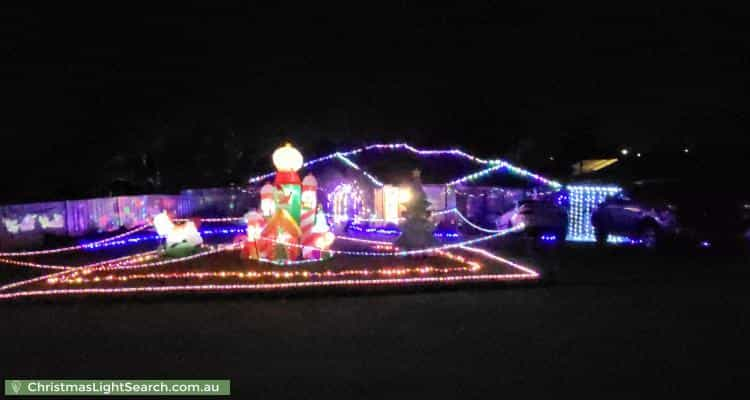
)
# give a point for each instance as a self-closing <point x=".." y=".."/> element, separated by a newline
<point x="624" y="152"/>
<point x="686" y="150"/>
<point x="638" y="154"/>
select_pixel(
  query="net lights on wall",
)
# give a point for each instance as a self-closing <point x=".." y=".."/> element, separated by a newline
<point x="583" y="200"/>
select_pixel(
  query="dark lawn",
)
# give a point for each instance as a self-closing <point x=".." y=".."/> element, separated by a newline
<point x="618" y="320"/>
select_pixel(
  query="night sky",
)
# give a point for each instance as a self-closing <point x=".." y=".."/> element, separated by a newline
<point x="98" y="98"/>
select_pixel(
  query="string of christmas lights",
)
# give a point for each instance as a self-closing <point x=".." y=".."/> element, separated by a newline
<point x="388" y="271"/>
<point x="496" y="164"/>
<point x="133" y="262"/>
<point x="73" y="248"/>
<point x="502" y="232"/>
<point x="264" y="287"/>
<point x="383" y="245"/>
<point x="39" y="278"/>
<point x="112" y="242"/>
<point x="434" y="214"/>
<point x="583" y="200"/>
<point x="354" y="165"/>
<point x="528" y="274"/>
<point x="495" y="257"/>
<point x="366" y="241"/>
<point x="345" y="217"/>
<point x="473" y="225"/>
<point x="504" y="165"/>
<point x="207" y="252"/>
<point x="119" y="239"/>
<point x="130" y="262"/>
<point x="222" y="219"/>
<point x="31" y="264"/>
<point x="156" y="237"/>
<point x="470" y="266"/>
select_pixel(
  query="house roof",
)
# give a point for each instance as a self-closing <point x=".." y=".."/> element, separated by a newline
<point x="393" y="164"/>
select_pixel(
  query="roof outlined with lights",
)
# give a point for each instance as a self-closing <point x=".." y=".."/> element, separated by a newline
<point x="376" y="163"/>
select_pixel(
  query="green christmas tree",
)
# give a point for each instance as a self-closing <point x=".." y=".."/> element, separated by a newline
<point x="416" y="230"/>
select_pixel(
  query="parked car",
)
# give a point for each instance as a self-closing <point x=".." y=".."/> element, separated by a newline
<point x="653" y="211"/>
<point x="647" y="220"/>
<point x="538" y="216"/>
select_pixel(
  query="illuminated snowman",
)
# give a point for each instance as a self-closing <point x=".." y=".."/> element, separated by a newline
<point x="182" y="239"/>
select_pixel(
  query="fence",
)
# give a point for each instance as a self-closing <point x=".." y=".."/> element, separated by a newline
<point x="26" y="225"/>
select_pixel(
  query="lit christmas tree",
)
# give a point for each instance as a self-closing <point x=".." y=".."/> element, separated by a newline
<point x="416" y="230"/>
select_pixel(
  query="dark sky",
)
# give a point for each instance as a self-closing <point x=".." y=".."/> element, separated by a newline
<point x="86" y="87"/>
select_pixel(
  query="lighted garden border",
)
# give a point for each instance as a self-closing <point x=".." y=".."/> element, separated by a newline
<point x="145" y="260"/>
<point x="524" y="274"/>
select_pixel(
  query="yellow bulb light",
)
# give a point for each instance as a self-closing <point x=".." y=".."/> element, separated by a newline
<point x="404" y="195"/>
<point x="287" y="158"/>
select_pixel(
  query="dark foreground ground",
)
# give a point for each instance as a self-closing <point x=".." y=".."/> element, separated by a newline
<point x="616" y="321"/>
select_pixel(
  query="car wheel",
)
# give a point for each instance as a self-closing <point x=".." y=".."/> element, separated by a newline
<point x="560" y="237"/>
<point x="601" y="236"/>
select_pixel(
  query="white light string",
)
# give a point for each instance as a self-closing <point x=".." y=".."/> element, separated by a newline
<point x="501" y="259"/>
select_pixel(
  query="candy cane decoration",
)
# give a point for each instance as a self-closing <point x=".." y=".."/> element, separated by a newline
<point x="267" y="205"/>
<point x="255" y="224"/>
<point x="307" y="219"/>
